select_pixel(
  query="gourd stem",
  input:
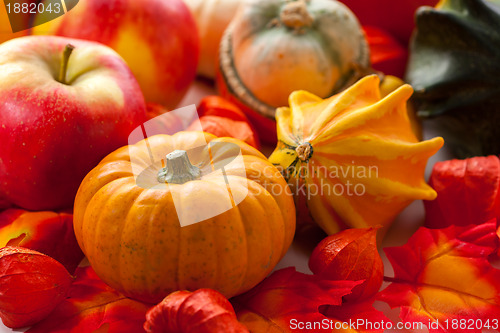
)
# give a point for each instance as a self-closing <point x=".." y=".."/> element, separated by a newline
<point x="179" y="169"/>
<point x="304" y="151"/>
<point x="64" y="63"/>
<point x="295" y="15"/>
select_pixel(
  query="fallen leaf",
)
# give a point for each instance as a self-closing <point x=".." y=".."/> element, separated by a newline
<point x="444" y="275"/>
<point x="468" y="192"/>
<point x="31" y="286"/>
<point x="289" y="301"/>
<point x="92" y="306"/>
<point x="201" y="311"/>
<point x="350" y="255"/>
<point x="47" y="232"/>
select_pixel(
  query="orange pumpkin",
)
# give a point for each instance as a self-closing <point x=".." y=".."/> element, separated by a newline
<point x="129" y="210"/>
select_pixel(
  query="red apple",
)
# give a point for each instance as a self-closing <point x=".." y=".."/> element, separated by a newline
<point x="157" y="38"/>
<point x="56" y="127"/>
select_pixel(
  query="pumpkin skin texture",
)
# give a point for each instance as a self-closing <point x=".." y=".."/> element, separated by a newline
<point x="356" y="138"/>
<point x="274" y="47"/>
<point x="454" y="69"/>
<point x="132" y="236"/>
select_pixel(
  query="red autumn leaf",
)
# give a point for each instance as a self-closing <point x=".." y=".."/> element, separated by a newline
<point x="444" y="275"/>
<point x="201" y="311"/>
<point x="350" y="255"/>
<point x="289" y="301"/>
<point x="386" y="53"/>
<point x="222" y="118"/>
<point x="47" y="232"/>
<point x="92" y="306"/>
<point x="31" y="286"/>
<point x="468" y="192"/>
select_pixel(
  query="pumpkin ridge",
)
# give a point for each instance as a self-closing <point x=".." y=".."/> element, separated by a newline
<point x="247" y="250"/>
<point x="285" y="242"/>
<point x="128" y="218"/>
<point x="365" y="173"/>
<point x="156" y="210"/>
<point x="366" y="146"/>
<point x="331" y="221"/>
<point x="340" y="205"/>
<point x="283" y="123"/>
<point x="273" y="254"/>
<point x="358" y="119"/>
<point x="252" y="228"/>
<point x="341" y="105"/>
<point x="99" y="227"/>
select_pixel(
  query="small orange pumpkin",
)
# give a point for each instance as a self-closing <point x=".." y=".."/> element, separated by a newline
<point x="129" y="226"/>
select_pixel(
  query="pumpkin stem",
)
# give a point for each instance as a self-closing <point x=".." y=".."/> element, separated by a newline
<point x="179" y="169"/>
<point x="295" y="15"/>
<point x="64" y="63"/>
<point x="304" y="151"/>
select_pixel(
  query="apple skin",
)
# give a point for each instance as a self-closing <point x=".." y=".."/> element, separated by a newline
<point x="53" y="134"/>
<point x="157" y="38"/>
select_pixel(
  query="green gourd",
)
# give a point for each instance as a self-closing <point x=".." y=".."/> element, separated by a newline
<point x="454" y="68"/>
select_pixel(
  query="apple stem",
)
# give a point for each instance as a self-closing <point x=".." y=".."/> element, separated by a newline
<point x="64" y="64"/>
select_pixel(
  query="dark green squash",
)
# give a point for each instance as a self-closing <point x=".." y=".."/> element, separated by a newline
<point x="454" y="68"/>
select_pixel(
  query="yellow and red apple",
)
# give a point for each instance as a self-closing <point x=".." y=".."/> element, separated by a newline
<point x="57" y="122"/>
<point x="157" y="38"/>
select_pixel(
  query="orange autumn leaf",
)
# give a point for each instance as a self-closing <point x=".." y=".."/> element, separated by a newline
<point x="444" y="276"/>
<point x="47" y="232"/>
<point x="289" y="301"/>
<point x="92" y="306"/>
